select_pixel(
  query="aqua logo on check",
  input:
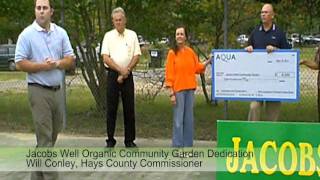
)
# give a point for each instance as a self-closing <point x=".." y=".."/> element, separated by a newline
<point x="226" y="57"/>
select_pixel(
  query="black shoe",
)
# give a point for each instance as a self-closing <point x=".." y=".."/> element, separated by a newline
<point x="130" y="145"/>
<point x="111" y="143"/>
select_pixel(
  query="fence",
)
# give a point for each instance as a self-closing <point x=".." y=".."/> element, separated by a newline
<point x="148" y="85"/>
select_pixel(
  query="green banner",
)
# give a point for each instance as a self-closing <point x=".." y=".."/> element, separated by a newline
<point x="273" y="150"/>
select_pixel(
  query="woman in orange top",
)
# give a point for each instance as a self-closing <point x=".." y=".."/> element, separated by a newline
<point x="181" y="69"/>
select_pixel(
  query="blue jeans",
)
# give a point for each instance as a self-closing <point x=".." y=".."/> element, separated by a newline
<point x="183" y="119"/>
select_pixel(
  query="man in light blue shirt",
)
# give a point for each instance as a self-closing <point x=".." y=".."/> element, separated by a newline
<point x="44" y="51"/>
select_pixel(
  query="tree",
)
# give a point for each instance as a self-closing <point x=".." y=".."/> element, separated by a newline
<point x="14" y="17"/>
<point x="270" y="1"/>
<point x="88" y="21"/>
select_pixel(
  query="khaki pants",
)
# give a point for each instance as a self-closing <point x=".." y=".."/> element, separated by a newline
<point x="47" y="113"/>
<point x="272" y="110"/>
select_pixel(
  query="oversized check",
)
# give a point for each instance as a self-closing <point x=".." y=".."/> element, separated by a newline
<point x="239" y="75"/>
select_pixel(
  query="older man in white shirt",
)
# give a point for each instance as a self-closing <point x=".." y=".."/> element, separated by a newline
<point x="121" y="52"/>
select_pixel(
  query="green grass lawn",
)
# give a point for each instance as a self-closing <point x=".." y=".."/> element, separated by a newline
<point x="307" y="53"/>
<point x="12" y="75"/>
<point x="153" y="119"/>
<point x="14" y="112"/>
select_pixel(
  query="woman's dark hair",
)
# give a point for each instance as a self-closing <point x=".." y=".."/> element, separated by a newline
<point x="174" y="45"/>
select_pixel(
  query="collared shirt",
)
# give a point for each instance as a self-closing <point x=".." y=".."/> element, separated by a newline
<point x="121" y="47"/>
<point x="36" y="44"/>
<point x="260" y="38"/>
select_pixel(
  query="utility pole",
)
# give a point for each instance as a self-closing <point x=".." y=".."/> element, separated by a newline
<point x="63" y="84"/>
<point x="225" y="44"/>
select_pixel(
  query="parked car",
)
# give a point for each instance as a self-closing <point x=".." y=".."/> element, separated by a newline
<point x="242" y="39"/>
<point x="307" y="39"/>
<point x="290" y="42"/>
<point x="164" y="40"/>
<point x="316" y="39"/>
<point x="7" y="56"/>
<point x="141" y="40"/>
<point x="297" y="38"/>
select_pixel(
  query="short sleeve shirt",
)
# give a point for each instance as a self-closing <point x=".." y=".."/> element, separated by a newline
<point x="260" y="39"/>
<point x="121" y="47"/>
<point x="36" y="44"/>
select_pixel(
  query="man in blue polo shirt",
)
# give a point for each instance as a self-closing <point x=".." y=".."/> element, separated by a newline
<point x="44" y="52"/>
<point x="270" y="37"/>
